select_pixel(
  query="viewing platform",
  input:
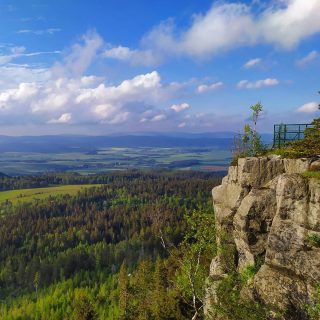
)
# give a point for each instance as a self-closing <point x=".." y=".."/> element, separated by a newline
<point x="283" y="133"/>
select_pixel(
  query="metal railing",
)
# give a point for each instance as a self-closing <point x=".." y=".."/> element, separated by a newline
<point x="283" y="133"/>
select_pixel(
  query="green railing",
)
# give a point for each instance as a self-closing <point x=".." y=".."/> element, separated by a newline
<point x="284" y="133"/>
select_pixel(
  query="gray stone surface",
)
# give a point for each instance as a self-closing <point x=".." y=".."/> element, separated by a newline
<point x="268" y="210"/>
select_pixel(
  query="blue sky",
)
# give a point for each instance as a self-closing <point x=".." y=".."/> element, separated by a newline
<point x="98" y="67"/>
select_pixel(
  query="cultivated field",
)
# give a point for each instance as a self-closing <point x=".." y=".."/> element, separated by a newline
<point x="106" y="159"/>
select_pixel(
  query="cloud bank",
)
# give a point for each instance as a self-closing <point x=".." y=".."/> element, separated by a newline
<point x="227" y="26"/>
<point x="69" y="96"/>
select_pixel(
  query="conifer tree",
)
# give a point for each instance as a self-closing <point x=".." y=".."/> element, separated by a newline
<point x="123" y="285"/>
<point x="159" y="291"/>
<point x="143" y="287"/>
<point x="36" y="281"/>
<point x="84" y="309"/>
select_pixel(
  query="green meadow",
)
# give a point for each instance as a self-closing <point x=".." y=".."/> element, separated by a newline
<point x="29" y="195"/>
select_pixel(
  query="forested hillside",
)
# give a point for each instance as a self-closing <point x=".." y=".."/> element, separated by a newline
<point x="110" y="252"/>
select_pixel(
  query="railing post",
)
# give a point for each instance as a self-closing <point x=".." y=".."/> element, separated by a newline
<point x="299" y="135"/>
<point x="285" y="134"/>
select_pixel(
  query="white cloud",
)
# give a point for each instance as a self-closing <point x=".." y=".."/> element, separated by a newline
<point x="135" y="57"/>
<point x="13" y="75"/>
<point x="18" y="52"/>
<point x="180" y="107"/>
<point x="209" y="87"/>
<point x="64" y="118"/>
<point x="158" y="117"/>
<point x="120" y="53"/>
<point x="20" y="95"/>
<point x="313" y="55"/>
<point x="40" y="32"/>
<point x="143" y="120"/>
<point x="182" y="125"/>
<point x="246" y="84"/>
<point x="310" y="107"/>
<point x="5" y="59"/>
<point x="108" y="113"/>
<point x="225" y="26"/>
<point x="195" y="41"/>
<point x="79" y="57"/>
<point x="142" y="87"/>
<point x="120" y="118"/>
<point x="65" y="94"/>
<point x="252" y="63"/>
<point x="105" y="111"/>
<point x="291" y="22"/>
<point x="88" y="99"/>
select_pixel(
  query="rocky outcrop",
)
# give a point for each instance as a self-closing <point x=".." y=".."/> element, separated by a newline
<point x="267" y="210"/>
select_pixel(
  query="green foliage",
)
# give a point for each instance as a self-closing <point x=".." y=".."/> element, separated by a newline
<point x="313" y="308"/>
<point x="249" y="143"/>
<point x="123" y="286"/>
<point x="314" y="240"/>
<point x="51" y="251"/>
<point x="173" y="288"/>
<point x="312" y="174"/>
<point x="232" y="303"/>
<point x="84" y="295"/>
<point x="29" y="195"/>
<point x="84" y="309"/>
<point x="197" y="250"/>
<point x="248" y="273"/>
<point x="164" y="297"/>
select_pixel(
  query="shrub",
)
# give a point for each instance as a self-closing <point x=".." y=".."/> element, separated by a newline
<point x="314" y="240"/>
<point x="313" y="308"/>
<point x="232" y="304"/>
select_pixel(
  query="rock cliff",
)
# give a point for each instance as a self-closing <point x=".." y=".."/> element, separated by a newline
<point x="266" y="209"/>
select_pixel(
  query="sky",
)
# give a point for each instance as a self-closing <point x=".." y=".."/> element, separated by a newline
<point x="120" y="66"/>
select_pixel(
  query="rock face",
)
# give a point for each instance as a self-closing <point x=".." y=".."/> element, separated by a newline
<point x="267" y="210"/>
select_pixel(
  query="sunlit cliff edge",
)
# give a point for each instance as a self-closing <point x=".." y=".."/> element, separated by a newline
<point x="267" y="210"/>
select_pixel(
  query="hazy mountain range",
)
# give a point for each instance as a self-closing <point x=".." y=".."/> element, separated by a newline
<point x="79" y="143"/>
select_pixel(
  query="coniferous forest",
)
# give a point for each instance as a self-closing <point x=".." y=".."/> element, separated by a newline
<point x="136" y="247"/>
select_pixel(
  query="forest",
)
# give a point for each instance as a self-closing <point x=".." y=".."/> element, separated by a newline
<point x="122" y="250"/>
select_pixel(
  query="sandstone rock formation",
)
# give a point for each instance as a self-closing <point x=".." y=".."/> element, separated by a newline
<point x="267" y="210"/>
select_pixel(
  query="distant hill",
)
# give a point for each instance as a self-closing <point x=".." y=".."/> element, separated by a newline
<point x="78" y="143"/>
<point x="3" y="175"/>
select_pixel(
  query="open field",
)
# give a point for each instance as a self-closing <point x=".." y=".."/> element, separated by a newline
<point x="28" y="195"/>
<point x="106" y="159"/>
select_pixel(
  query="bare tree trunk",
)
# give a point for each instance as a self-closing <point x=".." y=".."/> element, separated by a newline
<point x="195" y="316"/>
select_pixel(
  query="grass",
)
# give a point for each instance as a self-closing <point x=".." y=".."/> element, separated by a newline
<point x="312" y="174"/>
<point x="29" y="195"/>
